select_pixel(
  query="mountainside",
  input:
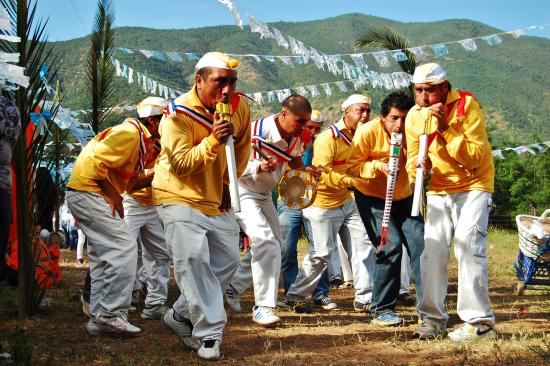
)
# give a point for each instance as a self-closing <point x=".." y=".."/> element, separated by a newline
<point x="510" y="80"/>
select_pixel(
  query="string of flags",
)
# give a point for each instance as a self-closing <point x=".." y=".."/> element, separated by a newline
<point x="389" y="81"/>
<point x="349" y="65"/>
<point x="11" y="76"/>
<point x="532" y="149"/>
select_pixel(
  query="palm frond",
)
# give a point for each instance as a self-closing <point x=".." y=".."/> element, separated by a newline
<point x="383" y="36"/>
<point x="29" y="149"/>
<point x="99" y="70"/>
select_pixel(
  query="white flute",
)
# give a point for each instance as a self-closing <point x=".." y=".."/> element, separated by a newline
<point x="419" y="183"/>
<point x="224" y="110"/>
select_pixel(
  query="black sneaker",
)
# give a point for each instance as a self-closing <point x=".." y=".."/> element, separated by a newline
<point x="406" y="299"/>
<point x="326" y="303"/>
<point x="299" y="307"/>
<point x="360" y="307"/>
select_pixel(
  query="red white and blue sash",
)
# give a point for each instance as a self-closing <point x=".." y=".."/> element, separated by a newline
<point x="337" y="134"/>
<point x="173" y="108"/>
<point x="262" y="144"/>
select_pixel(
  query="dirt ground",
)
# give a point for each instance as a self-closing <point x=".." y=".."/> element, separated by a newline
<point x="342" y="337"/>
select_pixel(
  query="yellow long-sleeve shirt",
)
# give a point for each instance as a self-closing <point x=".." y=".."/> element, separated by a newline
<point x="332" y="153"/>
<point x="369" y="150"/>
<point x="461" y="156"/>
<point x="112" y="154"/>
<point x="192" y="164"/>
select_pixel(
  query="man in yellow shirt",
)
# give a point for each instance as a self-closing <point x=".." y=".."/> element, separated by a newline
<point x="113" y="162"/>
<point x="334" y="212"/>
<point x="458" y="202"/>
<point x="190" y="185"/>
<point x="144" y="222"/>
<point x="369" y="160"/>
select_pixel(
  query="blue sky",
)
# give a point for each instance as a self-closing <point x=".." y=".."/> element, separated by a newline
<point x="73" y="18"/>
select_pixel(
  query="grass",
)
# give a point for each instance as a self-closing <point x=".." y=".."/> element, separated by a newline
<point x="324" y="338"/>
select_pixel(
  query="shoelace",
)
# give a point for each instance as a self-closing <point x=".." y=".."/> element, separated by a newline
<point x="326" y="300"/>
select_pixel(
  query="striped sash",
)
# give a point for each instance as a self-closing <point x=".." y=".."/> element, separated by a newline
<point x="336" y="133"/>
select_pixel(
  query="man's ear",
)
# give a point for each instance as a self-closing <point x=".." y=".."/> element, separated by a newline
<point x="198" y="79"/>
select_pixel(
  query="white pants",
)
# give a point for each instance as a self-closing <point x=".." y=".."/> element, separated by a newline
<point x="205" y="251"/>
<point x="111" y="252"/>
<point x="326" y="224"/>
<point x="259" y="220"/>
<point x="80" y="244"/>
<point x="461" y="218"/>
<point x="144" y="221"/>
<point x="405" y="286"/>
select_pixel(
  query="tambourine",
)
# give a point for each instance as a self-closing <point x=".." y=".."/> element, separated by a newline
<point x="298" y="189"/>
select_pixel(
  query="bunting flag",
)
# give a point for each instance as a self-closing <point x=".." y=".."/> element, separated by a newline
<point x="336" y="64"/>
<point x="229" y="5"/>
<point x="11" y="76"/>
<point x="361" y="79"/>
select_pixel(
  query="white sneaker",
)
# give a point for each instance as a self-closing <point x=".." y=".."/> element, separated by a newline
<point x="156" y="312"/>
<point x="232" y="299"/>
<point x="183" y="329"/>
<point x="117" y="324"/>
<point x="210" y="349"/>
<point x="472" y="332"/>
<point x="264" y="315"/>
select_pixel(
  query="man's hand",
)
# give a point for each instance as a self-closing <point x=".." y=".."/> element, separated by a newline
<point x="221" y="129"/>
<point x="426" y="165"/>
<point x="384" y="168"/>
<point x="112" y="197"/>
<point x="316" y="171"/>
<point x="439" y="111"/>
<point x="267" y="166"/>
<point x="226" y="199"/>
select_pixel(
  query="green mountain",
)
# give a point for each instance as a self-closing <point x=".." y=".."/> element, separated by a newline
<point x="511" y="80"/>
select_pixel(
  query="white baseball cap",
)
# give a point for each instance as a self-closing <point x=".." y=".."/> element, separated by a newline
<point x="430" y="73"/>
<point x="316" y="116"/>
<point x="355" y="99"/>
<point x="218" y="60"/>
<point x="151" y="106"/>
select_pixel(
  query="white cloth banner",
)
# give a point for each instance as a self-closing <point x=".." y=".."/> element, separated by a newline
<point x="468" y="44"/>
<point x="280" y="38"/>
<point x="229" y="5"/>
<point x="302" y="91"/>
<point x="359" y="60"/>
<point x="9" y="57"/>
<point x="13" y="74"/>
<point x="342" y="86"/>
<point x="130" y="75"/>
<point x="326" y="88"/>
<point x="313" y="90"/>
<point x="381" y="58"/>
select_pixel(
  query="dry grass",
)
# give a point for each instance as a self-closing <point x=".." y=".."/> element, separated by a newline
<point x="324" y="338"/>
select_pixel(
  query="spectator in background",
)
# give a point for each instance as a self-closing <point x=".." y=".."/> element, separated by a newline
<point x="10" y="126"/>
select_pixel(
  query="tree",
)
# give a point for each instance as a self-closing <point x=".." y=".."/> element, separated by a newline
<point x="30" y="146"/>
<point x="100" y="71"/>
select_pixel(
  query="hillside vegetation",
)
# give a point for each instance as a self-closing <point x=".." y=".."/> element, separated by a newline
<point x="511" y="80"/>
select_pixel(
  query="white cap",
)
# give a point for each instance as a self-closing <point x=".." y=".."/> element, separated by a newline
<point x="355" y="99"/>
<point x="218" y="60"/>
<point x="151" y="106"/>
<point x="316" y="116"/>
<point x="430" y="73"/>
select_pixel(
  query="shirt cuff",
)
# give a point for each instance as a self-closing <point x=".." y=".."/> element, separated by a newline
<point x="213" y="142"/>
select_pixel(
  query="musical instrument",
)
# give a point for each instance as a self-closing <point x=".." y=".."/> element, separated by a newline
<point x="224" y="111"/>
<point x="422" y="152"/>
<point x="298" y="189"/>
<point x="395" y="152"/>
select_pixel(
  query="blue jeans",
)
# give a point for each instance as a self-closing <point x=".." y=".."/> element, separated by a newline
<point x="404" y="230"/>
<point x="291" y="223"/>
